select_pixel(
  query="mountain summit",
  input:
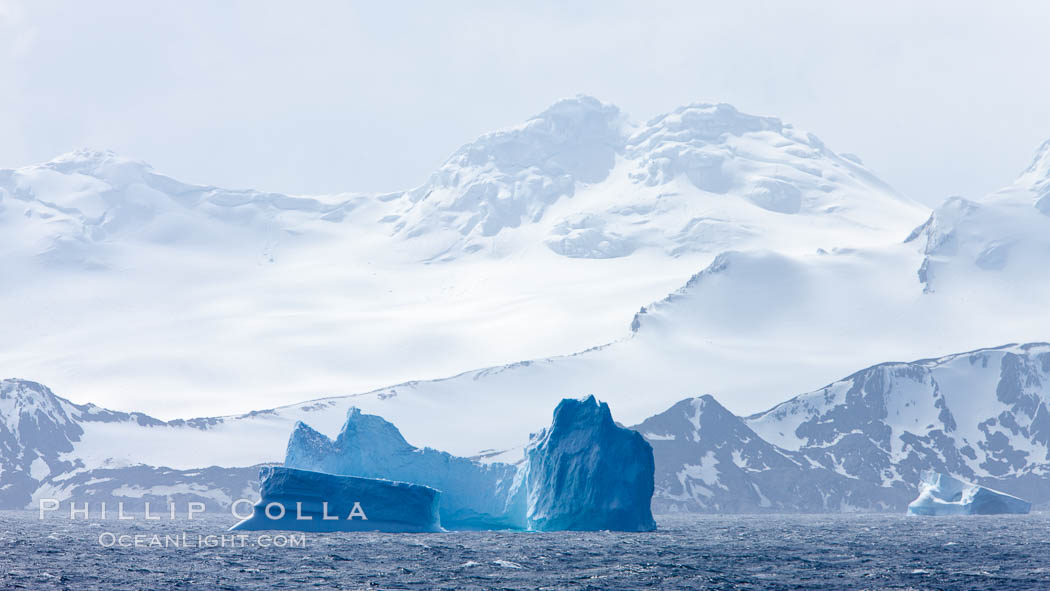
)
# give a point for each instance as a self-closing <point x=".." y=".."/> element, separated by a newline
<point x="579" y="180"/>
<point x="1005" y="234"/>
<point x="509" y="177"/>
<point x="702" y="178"/>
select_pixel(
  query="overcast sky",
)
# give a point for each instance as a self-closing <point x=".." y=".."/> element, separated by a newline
<point x="309" y="97"/>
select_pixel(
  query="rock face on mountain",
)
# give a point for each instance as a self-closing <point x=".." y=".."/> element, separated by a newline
<point x="940" y="494"/>
<point x="473" y="494"/>
<point x="863" y="443"/>
<point x="301" y="500"/>
<point x="981" y="415"/>
<point x="39" y="432"/>
<point x="708" y="460"/>
<point x="42" y="456"/>
<point x="35" y="431"/>
<point x="587" y="473"/>
<point x="136" y="485"/>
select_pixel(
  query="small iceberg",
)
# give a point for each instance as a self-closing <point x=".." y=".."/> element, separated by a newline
<point x="302" y="500"/>
<point x="941" y="494"/>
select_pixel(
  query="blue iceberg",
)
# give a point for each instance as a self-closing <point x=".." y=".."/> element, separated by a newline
<point x="313" y="501"/>
<point x="473" y="495"/>
<point x="941" y="494"/>
<point x="583" y="473"/>
<point x="587" y="473"/>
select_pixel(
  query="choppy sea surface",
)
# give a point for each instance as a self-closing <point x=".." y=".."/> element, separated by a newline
<point x="688" y="552"/>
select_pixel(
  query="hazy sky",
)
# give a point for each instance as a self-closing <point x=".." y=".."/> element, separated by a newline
<point x="307" y="97"/>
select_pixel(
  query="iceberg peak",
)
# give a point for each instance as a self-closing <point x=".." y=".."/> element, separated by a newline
<point x="587" y="473"/>
<point x="584" y="472"/>
<point x="473" y="495"/>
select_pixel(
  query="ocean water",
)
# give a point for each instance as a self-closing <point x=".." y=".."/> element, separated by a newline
<point x="688" y="552"/>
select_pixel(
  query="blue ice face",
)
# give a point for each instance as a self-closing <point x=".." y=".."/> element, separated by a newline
<point x="473" y="495"/>
<point x="583" y="473"/>
<point x="941" y="494"/>
<point x="303" y="500"/>
<point x="588" y="473"/>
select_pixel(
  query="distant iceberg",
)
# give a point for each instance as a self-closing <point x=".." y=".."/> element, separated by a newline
<point x="583" y="473"/>
<point x="313" y="501"/>
<point x="941" y="494"/>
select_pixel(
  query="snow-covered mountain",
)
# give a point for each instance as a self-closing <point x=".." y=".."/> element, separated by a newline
<point x="587" y="183"/>
<point x="982" y="414"/>
<point x="82" y="208"/>
<point x="709" y="460"/>
<point x="579" y="177"/>
<point x="1004" y="236"/>
<point x="42" y="456"/>
<point x="554" y="231"/>
<point x="860" y="443"/>
<point x="825" y="311"/>
<point x="750" y="326"/>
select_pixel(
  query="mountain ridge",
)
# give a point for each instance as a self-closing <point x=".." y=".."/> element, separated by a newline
<point x="982" y="415"/>
<point x="709" y="164"/>
<point x="500" y="181"/>
<point x="207" y="293"/>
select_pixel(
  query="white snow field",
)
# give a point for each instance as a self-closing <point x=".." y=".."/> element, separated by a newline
<point x="788" y="266"/>
<point x="139" y="292"/>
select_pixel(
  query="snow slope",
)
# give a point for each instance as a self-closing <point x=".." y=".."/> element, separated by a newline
<point x="1003" y="237"/>
<point x="537" y="240"/>
<point x="588" y="184"/>
<point x="750" y="326"/>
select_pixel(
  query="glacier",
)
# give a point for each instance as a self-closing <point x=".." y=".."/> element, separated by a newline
<point x="655" y="201"/>
<point x="584" y="472"/>
<point x="941" y="494"/>
<point x="313" y="501"/>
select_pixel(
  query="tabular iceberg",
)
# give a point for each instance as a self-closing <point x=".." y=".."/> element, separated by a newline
<point x="588" y="473"/>
<point x="473" y="495"/>
<point x="940" y="494"/>
<point x="583" y="473"/>
<point x="313" y="501"/>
